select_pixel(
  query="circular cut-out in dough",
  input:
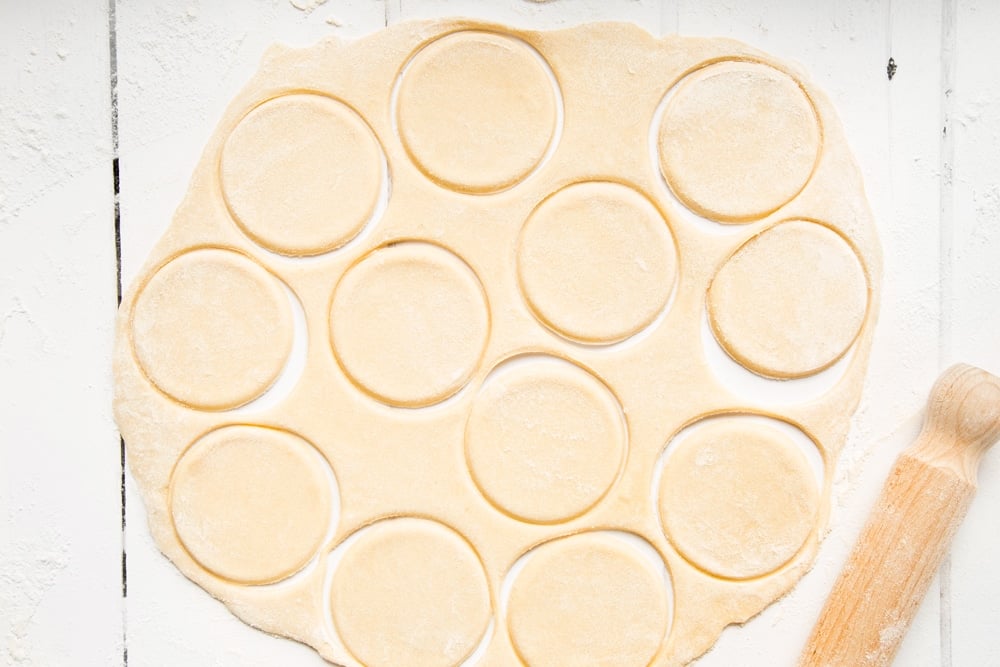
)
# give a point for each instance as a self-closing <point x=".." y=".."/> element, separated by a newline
<point x="596" y="262"/>
<point x="251" y="504"/>
<point x="738" y="499"/>
<point x="409" y="323"/>
<point x="410" y="592"/>
<point x="212" y="329"/>
<point x="738" y="140"/>
<point x="588" y="600"/>
<point x="790" y="301"/>
<point x="476" y="111"/>
<point x="545" y="439"/>
<point x="301" y="174"/>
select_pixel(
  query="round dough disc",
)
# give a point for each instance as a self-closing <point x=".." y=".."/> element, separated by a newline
<point x="251" y="504"/>
<point x="737" y="499"/>
<point x="477" y="111"/>
<point x="212" y="329"/>
<point x="301" y="174"/>
<point x="409" y="323"/>
<point x="596" y="262"/>
<point x="790" y="301"/>
<point x="545" y="439"/>
<point x="588" y="600"/>
<point x="738" y="140"/>
<point x="410" y="592"/>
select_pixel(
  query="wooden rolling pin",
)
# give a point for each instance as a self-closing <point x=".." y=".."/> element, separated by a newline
<point x="906" y="537"/>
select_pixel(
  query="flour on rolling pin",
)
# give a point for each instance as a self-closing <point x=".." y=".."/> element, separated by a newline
<point x="445" y="354"/>
<point x="908" y="532"/>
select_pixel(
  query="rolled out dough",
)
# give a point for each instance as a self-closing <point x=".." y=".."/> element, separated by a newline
<point x="506" y="444"/>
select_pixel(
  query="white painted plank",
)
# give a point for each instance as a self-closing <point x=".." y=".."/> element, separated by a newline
<point x="60" y="508"/>
<point x="903" y="374"/>
<point x="973" y="304"/>
<point x="179" y="66"/>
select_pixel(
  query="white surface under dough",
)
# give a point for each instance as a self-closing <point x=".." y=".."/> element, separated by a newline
<point x="60" y="474"/>
<point x="180" y="63"/>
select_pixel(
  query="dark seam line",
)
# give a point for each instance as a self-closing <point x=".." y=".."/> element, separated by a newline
<point x="946" y="196"/>
<point x="116" y="182"/>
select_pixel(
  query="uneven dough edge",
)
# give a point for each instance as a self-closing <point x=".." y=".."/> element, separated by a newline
<point x="156" y="430"/>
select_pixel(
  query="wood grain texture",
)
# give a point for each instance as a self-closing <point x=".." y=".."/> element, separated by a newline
<point x="908" y="532"/>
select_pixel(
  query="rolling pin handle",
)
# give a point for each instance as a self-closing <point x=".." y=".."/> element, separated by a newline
<point x="963" y="420"/>
<point x="908" y="532"/>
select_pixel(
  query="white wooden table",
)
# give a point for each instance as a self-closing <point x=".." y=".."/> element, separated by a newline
<point x="73" y="529"/>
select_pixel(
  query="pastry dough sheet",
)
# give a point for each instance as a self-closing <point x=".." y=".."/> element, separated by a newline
<point x="419" y="373"/>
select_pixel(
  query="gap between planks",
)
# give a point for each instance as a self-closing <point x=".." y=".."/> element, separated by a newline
<point x="116" y="183"/>
<point x="949" y="45"/>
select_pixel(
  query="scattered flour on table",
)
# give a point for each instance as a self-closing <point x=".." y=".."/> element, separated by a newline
<point x="29" y="568"/>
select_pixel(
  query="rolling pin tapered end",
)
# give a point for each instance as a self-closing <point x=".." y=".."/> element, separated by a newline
<point x="908" y="532"/>
<point x="962" y="421"/>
